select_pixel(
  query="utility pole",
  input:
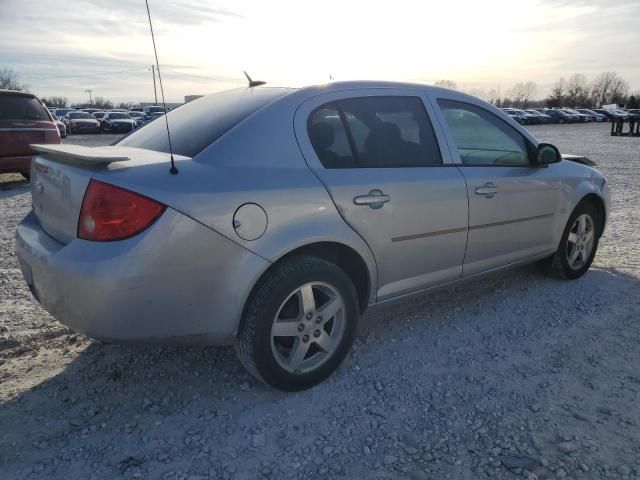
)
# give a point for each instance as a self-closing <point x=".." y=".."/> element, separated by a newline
<point x="89" y="92"/>
<point x="155" y="92"/>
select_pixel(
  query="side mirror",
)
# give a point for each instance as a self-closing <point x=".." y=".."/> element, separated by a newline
<point x="547" y="154"/>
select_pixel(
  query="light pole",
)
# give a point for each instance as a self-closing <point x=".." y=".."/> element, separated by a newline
<point x="89" y="92"/>
<point x="153" y="72"/>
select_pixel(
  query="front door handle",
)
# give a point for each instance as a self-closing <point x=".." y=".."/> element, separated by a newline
<point x="375" y="199"/>
<point x="488" y="190"/>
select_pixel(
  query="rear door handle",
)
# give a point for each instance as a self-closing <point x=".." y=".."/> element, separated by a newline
<point x="488" y="190"/>
<point x="375" y="199"/>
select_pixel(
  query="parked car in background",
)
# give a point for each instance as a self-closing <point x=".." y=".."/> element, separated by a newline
<point x="137" y="116"/>
<point x="116" y="122"/>
<point x="622" y="112"/>
<point x="635" y="113"/>
<point x="90" y="110"/>
<point x="121" y="110"/>
<point x="23" y="120"/>
<point x="595" y="116"/>
<point x="540" y="117"/>
<point x="81" y="122"/>
<point x="61" y="112"/>
<point x="612" y="115"/>
<point x="528" y="118"/>
<point x="581" y="117"/>
<point x="559" y="116"/>
<point x="152" y="112"/>
<point x="517" y="116"/>
<point x="292" y="211"/>
<point x="62" y="128"/>
<point x="99" y="115"/>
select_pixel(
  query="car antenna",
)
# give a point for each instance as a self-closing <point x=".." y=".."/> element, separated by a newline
<point x="253" y="83"/>
<point x="173" y="170"/>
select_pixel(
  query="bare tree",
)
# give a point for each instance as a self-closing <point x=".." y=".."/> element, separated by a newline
<point x="577" y="91"/>
<point x="522" y="92"/>
<point x="558" y="93"/>
<point x="447" y="84"/>
<point x="125" y="105"/>
<point x="55" y="101"/>
<point x="100" y="102"/>
<point x="608" y="88"/>
<point x="9" y="80"/>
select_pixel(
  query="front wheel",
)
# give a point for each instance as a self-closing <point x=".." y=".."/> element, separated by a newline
<point x="299" y="323"/>
<point x="578" y="244"/>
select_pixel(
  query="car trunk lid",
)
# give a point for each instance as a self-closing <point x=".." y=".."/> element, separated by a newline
<point x="60" y="175"/>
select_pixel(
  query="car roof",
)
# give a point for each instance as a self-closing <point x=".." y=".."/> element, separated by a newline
<point x="16" y="93"/>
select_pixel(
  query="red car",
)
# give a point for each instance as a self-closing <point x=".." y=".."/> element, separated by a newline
<point x="23" y="120"/>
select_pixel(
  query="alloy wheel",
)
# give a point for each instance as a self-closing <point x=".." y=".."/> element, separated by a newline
<point x="580" y="241"/>
<point x="308" y="327"/>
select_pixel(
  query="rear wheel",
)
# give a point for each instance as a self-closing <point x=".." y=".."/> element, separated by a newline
<point x="578" y="244"/>
<point x="299" y="323"/>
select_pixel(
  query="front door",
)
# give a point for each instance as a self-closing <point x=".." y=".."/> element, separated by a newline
<point x="512" y="204"/>
<point x="377" y="154"/>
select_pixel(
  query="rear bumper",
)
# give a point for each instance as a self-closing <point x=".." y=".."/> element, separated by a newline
<point x="178" y="282"/>
<point x="15" y="164"/>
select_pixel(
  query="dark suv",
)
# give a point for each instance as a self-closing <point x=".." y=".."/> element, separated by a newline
<point x="23" y="120"/>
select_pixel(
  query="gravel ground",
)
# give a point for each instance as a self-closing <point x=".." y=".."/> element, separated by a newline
<point x="513" y="375"/>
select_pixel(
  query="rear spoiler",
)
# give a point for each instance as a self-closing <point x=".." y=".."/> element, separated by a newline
<point x="101" y="156"/>
<point x="78" y="154"/>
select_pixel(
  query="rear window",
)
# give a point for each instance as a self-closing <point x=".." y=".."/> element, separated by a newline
<point x="199" y="123"/>
<point x="20" y="107"/>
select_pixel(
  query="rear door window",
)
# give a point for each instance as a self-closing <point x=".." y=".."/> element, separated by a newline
<point x="375" y="132"/>
<point x="21" y="107"/>
<point x="329" y="138"/>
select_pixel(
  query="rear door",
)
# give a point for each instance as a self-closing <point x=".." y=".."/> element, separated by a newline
<point x="378" y="155"/>
<point x="512" y="204"/>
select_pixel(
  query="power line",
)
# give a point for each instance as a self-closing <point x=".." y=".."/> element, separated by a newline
<point x="88" y="75"/>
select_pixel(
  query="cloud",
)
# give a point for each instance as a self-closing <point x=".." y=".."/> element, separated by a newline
<point x="481" y="43"/>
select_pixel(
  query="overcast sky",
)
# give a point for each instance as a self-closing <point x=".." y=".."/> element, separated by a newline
<point x="67" y="46"/>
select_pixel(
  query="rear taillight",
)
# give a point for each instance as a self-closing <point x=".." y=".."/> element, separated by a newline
<point x="111" y="213"/>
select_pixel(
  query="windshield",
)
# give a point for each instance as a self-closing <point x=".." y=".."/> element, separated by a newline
<point x="78" y="115"/>
<point x="568" y="110"/>
<point x="22" y="107"/>
<point x="119" y="116"/>
<point x="201" y="122"/>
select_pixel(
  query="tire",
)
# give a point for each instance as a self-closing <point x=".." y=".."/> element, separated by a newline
<point x="280" y="294"/>
<point x="560" y="263"/>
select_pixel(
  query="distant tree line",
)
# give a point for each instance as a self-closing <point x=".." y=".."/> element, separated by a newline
<point x="576" y="91"/>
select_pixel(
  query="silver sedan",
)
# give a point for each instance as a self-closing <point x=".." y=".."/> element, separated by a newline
<point x="291" y="211"/>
